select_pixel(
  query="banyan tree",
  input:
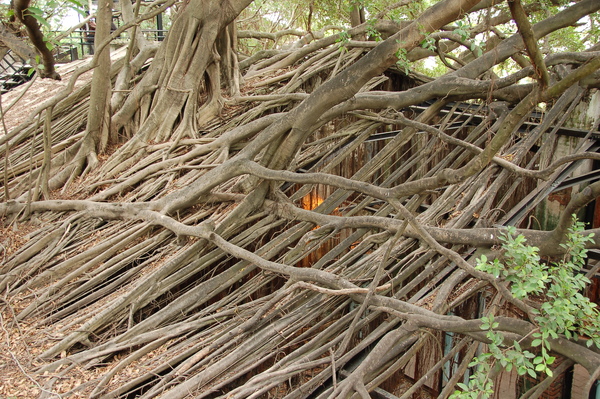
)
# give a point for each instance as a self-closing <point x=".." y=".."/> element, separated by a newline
<point x="293" y="200"/>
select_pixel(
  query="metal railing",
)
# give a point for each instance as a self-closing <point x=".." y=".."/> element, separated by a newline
<point x="81" y="43"/>
<point x="14" y="70"/>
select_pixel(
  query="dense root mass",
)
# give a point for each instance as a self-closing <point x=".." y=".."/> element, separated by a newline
<point x="308" y="229"/>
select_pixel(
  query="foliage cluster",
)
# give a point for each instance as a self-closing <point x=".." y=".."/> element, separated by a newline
<point x="49" y="14"/>
<point x="564" y="309"/>
<point x="267" y="16"/>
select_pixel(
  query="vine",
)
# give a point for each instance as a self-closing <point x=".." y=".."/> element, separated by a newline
<point x="343" y="39"/>
<point x="372" y="31"/>
<point x="403" y="61"/>
<point x="462" y="30"/>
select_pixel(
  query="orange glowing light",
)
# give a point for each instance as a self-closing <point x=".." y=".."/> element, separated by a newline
<point x="311" y="201"/>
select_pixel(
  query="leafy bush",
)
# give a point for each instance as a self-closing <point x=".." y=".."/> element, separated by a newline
<point x="564" y="311"/>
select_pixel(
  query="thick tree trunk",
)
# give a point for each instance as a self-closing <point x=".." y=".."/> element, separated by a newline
<point x="97" y="128"/>
<point x="183" y="61"/>
<point x="188" y="62"/>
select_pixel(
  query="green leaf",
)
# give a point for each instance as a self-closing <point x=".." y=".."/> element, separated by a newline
<point x="540" y="367"/>
<point x="39" y="16"/>
<point x="35" y="10"/>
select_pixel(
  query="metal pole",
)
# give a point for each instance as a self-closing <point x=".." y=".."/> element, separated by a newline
<point x="159" y="27"/>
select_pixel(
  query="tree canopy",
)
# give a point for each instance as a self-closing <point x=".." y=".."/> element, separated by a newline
<point x="299" y="199"/>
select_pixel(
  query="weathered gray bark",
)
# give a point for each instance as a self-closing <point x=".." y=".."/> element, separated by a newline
<point x="97" y="128"/>
<point x="256" y="238"/>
